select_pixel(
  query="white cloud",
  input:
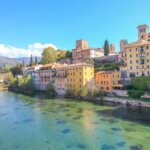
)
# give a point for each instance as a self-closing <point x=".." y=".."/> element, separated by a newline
<point x="14" y="52"/>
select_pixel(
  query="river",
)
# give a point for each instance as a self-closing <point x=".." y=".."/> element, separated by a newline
<point x="28" y="123"/>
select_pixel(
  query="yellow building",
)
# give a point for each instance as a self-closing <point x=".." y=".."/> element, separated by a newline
<point x="78" y="75"/>
<point x="108" y="80"/>
<point x="138" y="54"/>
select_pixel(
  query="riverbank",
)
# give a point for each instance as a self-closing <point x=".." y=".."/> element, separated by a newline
<point x="3" y="87"/>
<point x="116" y="101"/>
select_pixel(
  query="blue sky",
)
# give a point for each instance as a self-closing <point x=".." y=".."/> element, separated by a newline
<point x="61" y="22"/>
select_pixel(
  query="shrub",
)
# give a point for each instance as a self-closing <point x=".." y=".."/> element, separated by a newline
<point x="23" y="85"/>
<point x="135" y="93"/>
<point x="50" y="91"/>
<point x="141" y="83"/>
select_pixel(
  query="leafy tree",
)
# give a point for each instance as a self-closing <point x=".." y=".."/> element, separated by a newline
<point x="61" y="54"/>
<point x="7" y="68"/>
<point x="36" y="60"/>
<point x="83" y="92"/>
<point x="106" y="48"/>
<point x="69" y="54"/>
<point x="141" y="83"/>
<point x="23" y="85"/>
<point x="31" y="61"/>
<point x="50" y="91"/>
<point x="9" y="78"/>
<point x="135" y="93"/>
<point x="17" y="70"/>
<point x="49" y="55"/>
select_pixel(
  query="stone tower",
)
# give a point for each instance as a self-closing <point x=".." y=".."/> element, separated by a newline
<point x="143" y="32"/>
<point x="82" y="44"/>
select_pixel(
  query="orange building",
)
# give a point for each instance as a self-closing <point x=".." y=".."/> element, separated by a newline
<point x="108" y="80"/>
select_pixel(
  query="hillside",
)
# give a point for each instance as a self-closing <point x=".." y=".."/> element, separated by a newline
<point x="7" y="61"/>
<point x="13" y="61"/>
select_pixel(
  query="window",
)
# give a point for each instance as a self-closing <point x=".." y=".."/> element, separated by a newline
<point x="147" y="54"/>
<point x="130" y="56"/>
<point x="136" y="55"/>
<point x="137" y="61"/>
<point x="136" y="67"/>
<point x="131" y="68"/>
<point x="147" y="60"/>
<point x="130" y="50"/>
<point x="142" y="48"/>
<point x="147" y="47"/>
<point x="142" y="61"/>
<point x="147" y="66"/>
<point x="130" y="61"/>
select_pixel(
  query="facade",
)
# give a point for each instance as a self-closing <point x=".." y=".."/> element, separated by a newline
<point x="138" y="54"/>
<point x="108" y="80"/>
<point x="122" y="53"/>
<point x="61" y="80"/>
<point x="82" y="53"/>
<point x="47" y="75"/>
<point x="78" y="75"/>
<point x="34" y="73"/>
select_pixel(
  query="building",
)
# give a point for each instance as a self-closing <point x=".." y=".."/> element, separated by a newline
<point x="108" y="80"/>
<point x="34" y="73"/>
<point x="138" y="54"/>
<point x="47" y="75"/>
<point x="78" y="75"/>
<point x="122" y="53"/>
<point x="82" y="53"/>
<point x="61" y="79"/>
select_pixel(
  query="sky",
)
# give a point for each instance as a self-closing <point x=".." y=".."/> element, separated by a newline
<point x="28" y="26"/>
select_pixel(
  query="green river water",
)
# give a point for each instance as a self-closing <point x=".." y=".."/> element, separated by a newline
<point x="44" y="124"/>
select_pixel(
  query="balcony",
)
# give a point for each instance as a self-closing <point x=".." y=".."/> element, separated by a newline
<point x="142" y="55"/>
<point x="142" y="50"/>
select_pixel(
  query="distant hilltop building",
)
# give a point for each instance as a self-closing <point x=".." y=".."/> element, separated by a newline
<point x="82" y="52"/>
<point x="136" y="55"/>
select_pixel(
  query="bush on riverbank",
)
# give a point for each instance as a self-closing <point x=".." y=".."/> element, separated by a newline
<point x="50" y="91"/>
<point x="135" y="93"/>
<point x="23" y="85"/>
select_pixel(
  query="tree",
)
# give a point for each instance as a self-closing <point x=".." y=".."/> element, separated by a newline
<point x="23" y="85"/>
<point x="83" y="91"/>
<point x="49" y="55"/>
<point x="50" y="91"/>
<point x="141" y="83"/>
<point x="69" y="54"/>
<point x="106" y="48"/>
<point x="36" y="60"/>
<point x="61" y="54"/>
<point x="135" y="93"/>
<point x="17" y="70"/>
<point x="31" y="61"/>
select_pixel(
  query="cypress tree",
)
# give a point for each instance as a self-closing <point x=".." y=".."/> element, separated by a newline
<point x="36" y="60"/>
<point x="106" y="48"/>
<point x="31" y="61"/>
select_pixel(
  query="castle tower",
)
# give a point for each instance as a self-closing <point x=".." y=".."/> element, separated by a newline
<point x="82" y="44"/>
<point x="143" y="32"/>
